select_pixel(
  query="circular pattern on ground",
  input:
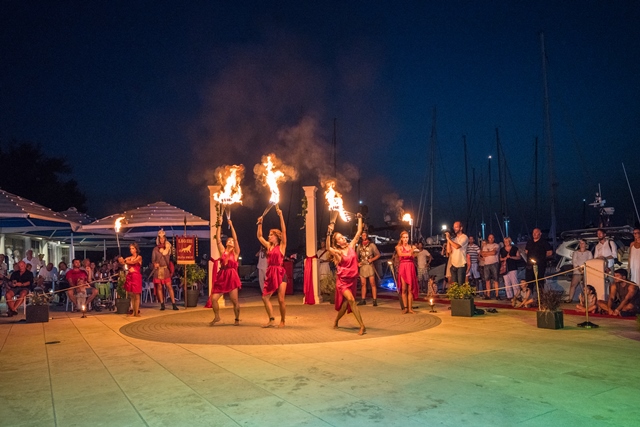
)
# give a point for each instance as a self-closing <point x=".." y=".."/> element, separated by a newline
<point x="305" y="324"/>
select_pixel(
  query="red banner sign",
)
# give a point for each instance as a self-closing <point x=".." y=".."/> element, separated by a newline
<point x="186" y="250"/>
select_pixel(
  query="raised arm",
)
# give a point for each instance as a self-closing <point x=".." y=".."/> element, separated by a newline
<point x="218" y="238"/>
<point x="337" y="255"/>
<point x="259" y="234"/>
<point x="236" y="248"/>
<point x="283" y="228"/>
<point x="354" y="242"/>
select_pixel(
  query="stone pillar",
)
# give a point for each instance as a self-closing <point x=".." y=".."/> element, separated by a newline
<point x="213" y="244"/>
<point x="311" y="233"/>
<point x="594" y="276"/>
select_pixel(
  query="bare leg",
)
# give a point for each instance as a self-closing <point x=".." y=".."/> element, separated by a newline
<point x="233" y="296"/>
<point x="159" y="288"/>
<point x="171" y="295"/>
<point x="487" y="289"/>
<point x="341" y="312"/>
<point x="403" y="292"/>
<point x="409" y="300"/>
<point x="216" y="309"/>
<point x="72" y="296"/>
<point x="374" y="290"/>
<point x="348" y="296"/>
<point x="135" y="300"/>
<point x="267" y="306"/>
<point x="11" y="304"/>
<point x="283" y="307"/>
<point x="363" y="284"/>
<point x="93" y="296"/>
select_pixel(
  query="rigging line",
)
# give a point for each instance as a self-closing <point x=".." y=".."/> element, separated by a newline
<point x="521" y="206"/>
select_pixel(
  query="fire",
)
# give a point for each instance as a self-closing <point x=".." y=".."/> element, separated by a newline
<point x="271" y="178"/>
<point x="335" y="201"/>
<point x="407" y="218"/>
<point x="118" y="224"/>
<point x="232" y="193"/>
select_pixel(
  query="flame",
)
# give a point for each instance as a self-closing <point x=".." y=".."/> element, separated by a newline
<point x="118" y="224"/>
<point x="232" y="193"/>
<point x="335" y="201"/>
<point x="271" y="178"/>
<point x="407" y="218"/>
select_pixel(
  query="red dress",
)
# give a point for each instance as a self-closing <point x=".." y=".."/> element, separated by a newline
<point x="228" y="278"/>
<point x="347" y="273"/>
<point x="275" y="274"/>
<point x="133" y="281"/>
<point x="407" y="272"/>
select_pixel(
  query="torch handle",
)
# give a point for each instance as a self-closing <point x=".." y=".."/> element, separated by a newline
<point x="333" y="216"/>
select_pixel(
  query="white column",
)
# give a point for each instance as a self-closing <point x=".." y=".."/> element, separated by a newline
<point x="2" y="248"/>
<point x="311" y="234"/>
<point x="594" y="276"/>
<point x="213" y="245"/>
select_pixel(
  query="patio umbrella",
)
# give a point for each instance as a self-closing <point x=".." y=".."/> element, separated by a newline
<point x="145" y="221"/>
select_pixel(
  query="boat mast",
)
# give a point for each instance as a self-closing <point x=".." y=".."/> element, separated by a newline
<point x="535" y="180"/>
<point x="432" y="169"/>
<point x="549" y="144"/>
<point x="502" y="185"/>
<point x="466" y="177"/>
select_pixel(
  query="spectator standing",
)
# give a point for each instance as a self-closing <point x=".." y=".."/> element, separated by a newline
<point x="606" y="250"/>
<point x="424" y="259"/>
<point x="262" y="266"/>
<point x="578" y="258"/>
<point x="509" y="254"/>
<point x="634" y="257"/>
<point x="473" y="270"/>
<point x="490" y="253"/>
<point x="457" y="248"/>
<point x="537" y="250"/>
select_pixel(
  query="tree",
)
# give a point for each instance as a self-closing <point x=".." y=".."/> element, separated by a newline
<point x="28" y="172"/>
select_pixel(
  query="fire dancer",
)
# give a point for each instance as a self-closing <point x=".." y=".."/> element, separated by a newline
<point x="133" y="282"/>
<point x="227" y="281"/>
<point x="276" y="278"/>
<point x="407" y="279"/>
<point x="162" y="271"/>
<point x="346" y="260"/>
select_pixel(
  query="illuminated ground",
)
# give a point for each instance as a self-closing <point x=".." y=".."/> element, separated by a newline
<point x="496" y="369"/>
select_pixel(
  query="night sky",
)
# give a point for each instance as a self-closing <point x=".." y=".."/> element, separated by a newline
<point x="145" y="99"/>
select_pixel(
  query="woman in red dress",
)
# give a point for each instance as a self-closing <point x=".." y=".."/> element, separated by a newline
<point x="227" y="281"/>
<point x="407" y="278"/>
<point x="133" y="282"/>
<point x="347" y="273"/>
<point x="275" y="278"/>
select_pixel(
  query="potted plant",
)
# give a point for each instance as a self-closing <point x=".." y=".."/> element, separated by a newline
<point x="122" y="302"/>
<point x="461" y="296"/>
<point x="195" y="277"/>
<point x="549" y="316"/>
<point x="38" y="308"/>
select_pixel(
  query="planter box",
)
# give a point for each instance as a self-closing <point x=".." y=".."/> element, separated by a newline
<point x="37" y="313"/>
<point x="550" y="319"/>
<point x="462" y="307"/>
<point x="192" y="297"/>
<point x="122" y="305"/>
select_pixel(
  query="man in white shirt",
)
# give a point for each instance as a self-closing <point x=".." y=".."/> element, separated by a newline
<point x="606" y="250"/>
<point x="30" y="260"/>
<point x="457" y="248"/>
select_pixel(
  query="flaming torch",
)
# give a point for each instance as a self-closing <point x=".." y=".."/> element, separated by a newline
<point x="117" y="227"/>
<point x="271" y="177"/>
<point x="407" y="218"/>
<point x="335" y="203"/>
<point x="229" y="178"/>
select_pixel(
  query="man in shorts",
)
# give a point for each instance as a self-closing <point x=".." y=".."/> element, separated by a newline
<point x="367" y="254"/>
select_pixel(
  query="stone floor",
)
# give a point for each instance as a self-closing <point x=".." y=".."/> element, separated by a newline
<point x="428" y="369"/>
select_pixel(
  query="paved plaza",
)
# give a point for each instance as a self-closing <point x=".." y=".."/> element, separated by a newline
<point x="170" y="369"/>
